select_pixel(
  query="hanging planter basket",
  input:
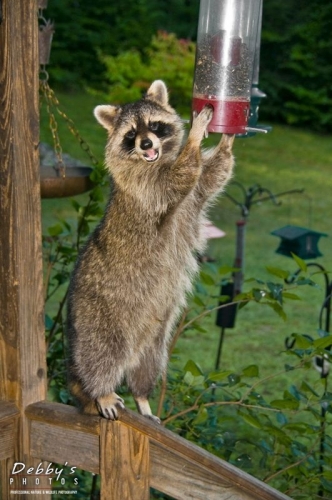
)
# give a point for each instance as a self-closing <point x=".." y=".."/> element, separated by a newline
<point x="60" y="175"/>
<point x="57" y="181"/>
<point x="54" y="185"/>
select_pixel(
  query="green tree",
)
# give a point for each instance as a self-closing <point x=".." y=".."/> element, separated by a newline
<point x="84" y="29"/>
<point x="168" y="58"/>
<point x="176" y="16"/>
<point x="296" y="70"/>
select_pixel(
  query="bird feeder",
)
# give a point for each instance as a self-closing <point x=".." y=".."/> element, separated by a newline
<point x="299" y="241"/>
<point x="256" y="94"/>
<point x="225" y="55"/>
<point x="226" y="316"/>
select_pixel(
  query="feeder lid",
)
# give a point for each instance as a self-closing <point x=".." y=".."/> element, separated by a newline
<point x="300" y="241"/>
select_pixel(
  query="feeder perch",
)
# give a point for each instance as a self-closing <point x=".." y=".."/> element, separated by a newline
<point x="300" y="241"/>
<point x="226" y="46"/>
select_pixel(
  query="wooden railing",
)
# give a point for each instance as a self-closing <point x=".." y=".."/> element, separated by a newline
<point x="131" y="455"/>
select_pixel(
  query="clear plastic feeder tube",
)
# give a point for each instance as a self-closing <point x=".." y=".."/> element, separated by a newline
<point x="226" y="44"/>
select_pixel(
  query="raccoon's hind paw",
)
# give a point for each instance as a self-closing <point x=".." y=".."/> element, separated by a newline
<point x="144" y="409"/>
<point x="108" y="406"/>
<point x="153" y="418"/>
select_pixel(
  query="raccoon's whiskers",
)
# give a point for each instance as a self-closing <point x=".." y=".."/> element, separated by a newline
<point x="127" y="154"/>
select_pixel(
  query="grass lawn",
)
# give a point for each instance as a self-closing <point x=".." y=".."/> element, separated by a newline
<point x="282" y="160"/>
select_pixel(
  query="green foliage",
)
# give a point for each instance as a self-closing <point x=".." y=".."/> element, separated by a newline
<point x="283" y="440"/>
<point x="295" y="71"/>
<point x="167" y="58"/>
<point x="183" y="20"/>
<point x="83" y="29"/>
<point x="275" y="440"/>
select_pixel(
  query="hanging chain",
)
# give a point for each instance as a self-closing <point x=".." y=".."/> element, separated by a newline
<point x="70" y="124"/>
<point x="52" y="103"/>
<point x="47" y="93"/>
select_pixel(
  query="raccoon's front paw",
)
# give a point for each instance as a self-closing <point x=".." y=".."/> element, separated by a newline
<point x="200" y="123"/>
<point x="227" y="141"/>
<point x="108" y="406"/>
<point x="206" y="114"/>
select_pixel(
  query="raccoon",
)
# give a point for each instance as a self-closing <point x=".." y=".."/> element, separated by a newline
<point x="131" y="279"/>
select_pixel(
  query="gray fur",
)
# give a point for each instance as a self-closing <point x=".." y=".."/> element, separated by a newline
<point x="132" y="277"/>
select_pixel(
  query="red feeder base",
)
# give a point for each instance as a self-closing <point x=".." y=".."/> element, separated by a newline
<point x="229" y="117"/>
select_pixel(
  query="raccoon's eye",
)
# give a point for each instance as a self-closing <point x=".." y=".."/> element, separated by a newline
<point x="154" y="126"/>
<point x="131" y="134"/>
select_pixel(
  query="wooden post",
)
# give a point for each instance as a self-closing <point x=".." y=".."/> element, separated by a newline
<point x="22" y="343"/>
<point x="124" y="462"/>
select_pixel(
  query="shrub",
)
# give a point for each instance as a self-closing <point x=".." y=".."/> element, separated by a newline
<point x="168" y="58"/>
<point x="285" y="439"/>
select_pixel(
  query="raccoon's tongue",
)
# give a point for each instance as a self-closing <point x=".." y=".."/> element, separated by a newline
<point x="151" y="154"/>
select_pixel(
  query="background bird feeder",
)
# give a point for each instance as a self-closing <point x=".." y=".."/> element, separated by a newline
<point x="300" y="241"/>
<point x="225" y="55"/>
<point x="256" y="94"/>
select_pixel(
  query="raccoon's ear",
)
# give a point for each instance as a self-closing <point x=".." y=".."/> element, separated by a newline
<point x="106" y="115"/>
<point x="158" y="92"/>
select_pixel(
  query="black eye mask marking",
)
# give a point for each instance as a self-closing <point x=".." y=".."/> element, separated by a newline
<point x="128" y="143"/>
<point x="161" y="129"/>
<point x="131" y="134"/>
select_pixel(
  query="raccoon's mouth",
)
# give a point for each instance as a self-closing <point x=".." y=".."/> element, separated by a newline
<point x="151" y="155"/>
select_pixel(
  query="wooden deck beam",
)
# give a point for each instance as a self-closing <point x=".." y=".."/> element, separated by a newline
<point x="9" y="415"/>
<point x="22" y="342"/>
<point x="176" y="466"/>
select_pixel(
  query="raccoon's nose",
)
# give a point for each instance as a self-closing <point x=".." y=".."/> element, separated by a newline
<point x="146" y="144"/>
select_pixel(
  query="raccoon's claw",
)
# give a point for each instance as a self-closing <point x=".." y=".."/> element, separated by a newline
<point x="144" y="409"/>
<point x="205" y="116"/>
<point x="108" y="406"/>
<point x="208" y="109"/>
<point x="153" y="418"/>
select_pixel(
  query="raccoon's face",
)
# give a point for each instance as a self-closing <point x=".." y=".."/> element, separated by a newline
<point x="148" y="130"/>
<point x="148" y="133"/>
